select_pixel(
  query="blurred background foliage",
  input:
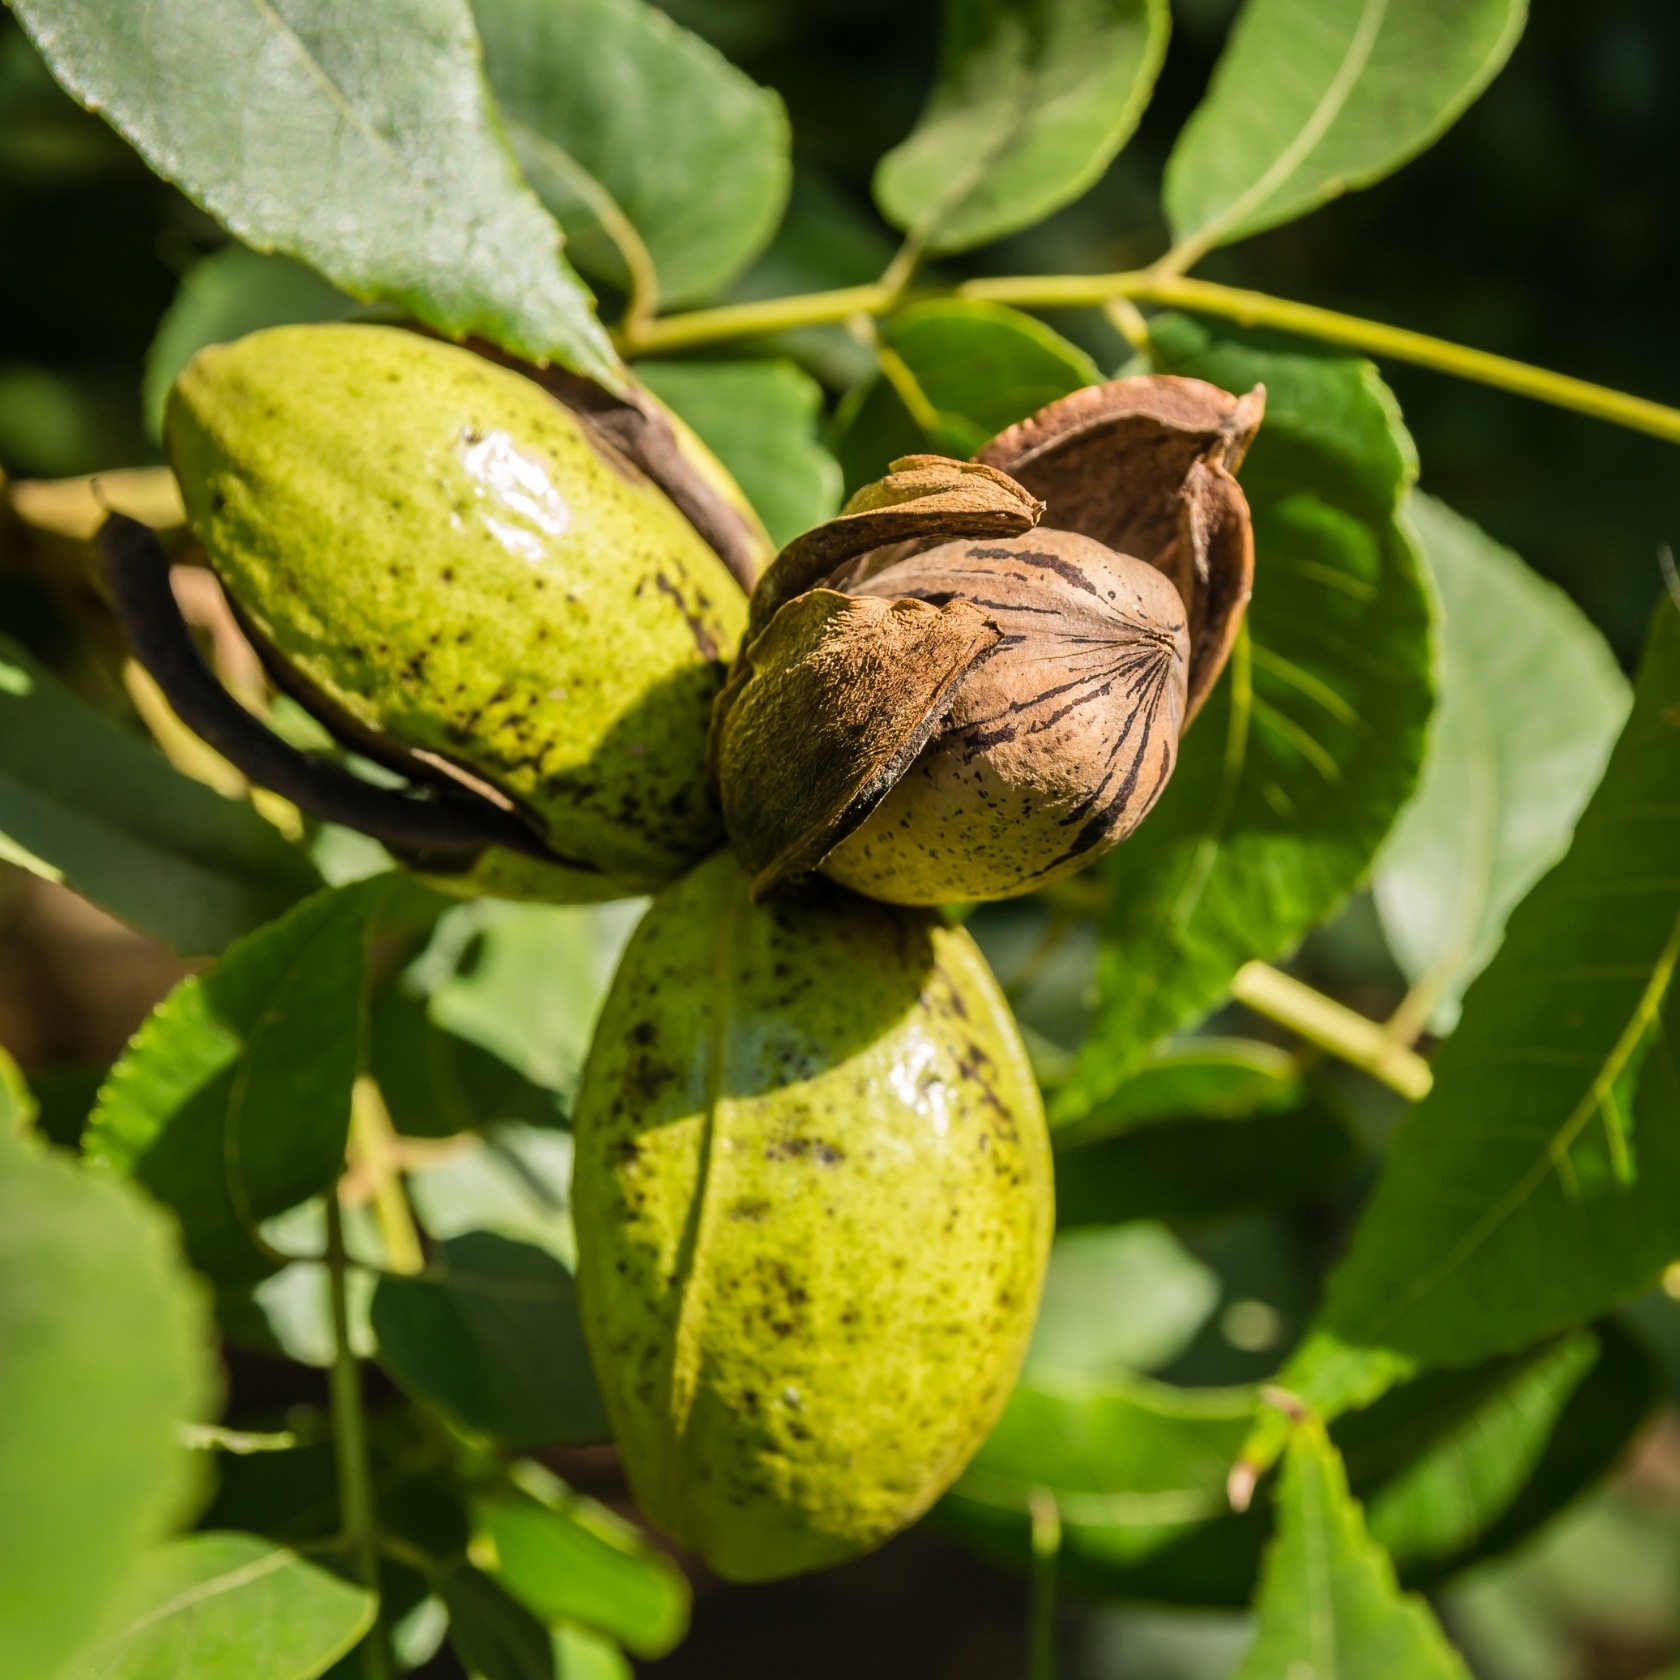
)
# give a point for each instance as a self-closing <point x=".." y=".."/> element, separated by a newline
<point x="1543" y="226"/>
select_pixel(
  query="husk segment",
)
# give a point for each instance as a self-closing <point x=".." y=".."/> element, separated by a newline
<point x="1145" y="466"/>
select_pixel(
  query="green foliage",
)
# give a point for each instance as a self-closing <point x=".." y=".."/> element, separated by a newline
<point x="84" y="802"/>
<point x="1033" y="99"/>
<point x="396" y="121"/>
<point x="233" y="1102"/>
<point x="230" y="1607"/>
<point x="105" y="1354"/>
<point x="1329" y="1604"/>
<point x="492" y="1336"/>
<point x="1531" y="702"/>
<point x="570" y="1560"/>
<point x="636" y="133"/>
<point x="1290" y="779"/>
<point x="1313" y="97"/>
<point x="761" y="420"/>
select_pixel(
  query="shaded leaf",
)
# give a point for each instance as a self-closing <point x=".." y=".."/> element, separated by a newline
<point x="491" y="1334"/>
<point x="1313" y="97"/>
<point x="1290" y="779"/>
<point x="760" y="419"/>
<point x="1329" y="1604"/>
<point x="955" y="373"/>
<point x="230" y="1607"/>
<point x="1203" y="1078"/>
<point x="617" y="114"/>
<point x="1033" y="99"/>
<point x="372" y="154"/>
<point x="436" y="1083"/>
<point x="85" y="802"/>
<point x="232" y="1102"/>
<point x="1199" y="1169"/>
<point x="493" y="1634"/>
<point x="104" y="1352"/>
<point x="1118" y="1299"/>
<point x="1531" y="701"/>
<point x="568" y="1559"/>
<point x="227" y="294"/>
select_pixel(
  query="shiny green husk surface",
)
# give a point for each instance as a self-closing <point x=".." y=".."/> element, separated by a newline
<point x="813" y="1201"/>
<point x="440" y="552"/>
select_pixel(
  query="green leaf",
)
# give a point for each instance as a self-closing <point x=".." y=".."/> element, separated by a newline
<point x="436" y="1083"/>
<point x="954" y="373"/>
<point x="105" y="1352"/>
<point x="492" y="1335"/>
<point x="1446" y="1498"/>
<point x="581" y="1655"/>
<point x="18" y="1108"/>
<point x="229" y="293"/>
<point x="231" y="1607"/>
<point x="1564" y="1185"/>
<point x="635" y="132"/>
<point x="1290" y="779"/>
<point x="568" y="1559"/>
<point x="1200" y="1169"/>
<point x="1531" y="702"/>
<point x="371" y="153"/>
<point x="1133" y="1465"/>
<point x="1033" y="99"/>
<point x="1314" y="97"/>
<point x="84" y="802"/>
<point x="232" y="1102"/>
<point x="493" y="1634"/>
<point x="1329" y="1605"/>
<point x="760" y="419"/>
<point x="1118" y="1299"/>
<point x="1205" y="1078"/>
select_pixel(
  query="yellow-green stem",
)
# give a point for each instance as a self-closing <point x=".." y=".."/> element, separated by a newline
<point x="1046" y="1550"/>
<point x="355" y="1481"/>
<point x="1332" y="1026"/>
<point x="748" y="320"/>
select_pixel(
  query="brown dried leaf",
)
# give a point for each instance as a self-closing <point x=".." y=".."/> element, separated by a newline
<point x="924" y="498"/>
<point x="824" y="711"/>
<point x="1144" y="465"/>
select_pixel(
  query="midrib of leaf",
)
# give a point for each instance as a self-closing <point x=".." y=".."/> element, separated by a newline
<point x="965" y="183"/>
<point x="1321" y="1611"/>
<point x="1329" y="107"/>
<point x="215" y="1587"/>
<point x="615" y="223"/>
<point x="1644" y="1013"/>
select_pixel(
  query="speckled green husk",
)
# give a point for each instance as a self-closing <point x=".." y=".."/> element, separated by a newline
<point x="813" y="1200"/>
<point x="435" y="545"/>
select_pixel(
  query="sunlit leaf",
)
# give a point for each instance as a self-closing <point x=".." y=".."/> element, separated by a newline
<point x="1313" y="97"/>
<point x="1033" y="99"/>
<point x="230" y="1607"/>
<point x="620" y="117"/>
<point x="371" y="153"/>
<point x="1531" y="700"/>
<point x="104" y="1353"/>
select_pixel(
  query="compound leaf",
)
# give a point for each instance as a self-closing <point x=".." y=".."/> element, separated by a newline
<point x="230" y="1607"/>
<point x="1033" y="99"/>
<point x="104" y="1354"/>
<point x="367" y="147"/>
<point x="85" y="802"/>
<point x="1329" y="1604"/>
<point x="1288" y="783"/>
<point x="638" y="134"/>
<point x="1530" y="704"/>
<point x="232" y="1102"/>
<point x="1313" y="97"/>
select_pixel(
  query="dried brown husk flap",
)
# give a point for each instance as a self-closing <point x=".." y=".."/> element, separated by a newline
<point x="1145" y="466"/>
<point x="923" y="498"/>
<point x="825" y="711"/>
